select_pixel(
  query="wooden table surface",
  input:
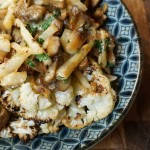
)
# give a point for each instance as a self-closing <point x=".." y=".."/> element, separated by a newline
<point x="134" y="131"/>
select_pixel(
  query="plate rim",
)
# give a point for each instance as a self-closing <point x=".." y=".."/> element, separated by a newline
<point x="134" y="95"/>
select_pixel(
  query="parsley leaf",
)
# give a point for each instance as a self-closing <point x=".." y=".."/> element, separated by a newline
<point x="56" y="13"/>
<point x="47" y="22"/>
<point x="41" y="57"/>
<point x="98" y="45"/>
<point x="107" y="41"/>
<point x="102" y="44"/>
<point x="40" y="40"/>
<point x="30" y="63"/>
<point x="109" y="64"/>
<point x="32" y="29"/>
<point x="66" y="81"/>
<point x="60" y="78"/>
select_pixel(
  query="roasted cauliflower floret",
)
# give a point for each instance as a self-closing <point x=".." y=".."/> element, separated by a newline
<point x="27" y="103"/>
<point x="24" y="129"/>
<point x="10" y="99"/>
<point x="65" y="98"/>
<point x="6" y="133"/>
<point x="74" y="117"/>
<point x="90" y="105"/>
<point x="53" y="126"/>
<point x="99" y="83"/>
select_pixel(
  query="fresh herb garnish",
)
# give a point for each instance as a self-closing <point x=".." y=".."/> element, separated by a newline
<point x="107" y="42"/>
<point x="56" y="13"/>
<point x="98" y="45"/>
<point x="109" y="64"/>
<point x="66" y="81"/>
<point x="32" y="29"/>
<point x="41" y="57"/>
<point x="47" y="22"/>
<point x="40" y="40"/>
<point x="102" y="44"/>
<point x="30" y="63"/>
<point x="60" y="78"/>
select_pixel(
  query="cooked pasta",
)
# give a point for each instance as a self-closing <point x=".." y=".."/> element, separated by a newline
<point x="55" y="61"/>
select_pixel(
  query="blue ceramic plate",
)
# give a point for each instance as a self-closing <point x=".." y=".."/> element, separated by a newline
<point x="128" y="69"/>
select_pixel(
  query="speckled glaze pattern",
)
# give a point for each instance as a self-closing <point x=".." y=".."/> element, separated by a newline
<point x="127" y="68"/>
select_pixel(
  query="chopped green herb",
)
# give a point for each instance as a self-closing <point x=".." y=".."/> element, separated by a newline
<point x="41" y="57"/>
<point x="66" y="81"/>
<point x="60" y="78"/>
<point x="40" y="40"/>
<point x="98" y="45"/>
<point x="47" y="22"/>
<point x="109" y="64"/>
<point x="102" y="44"/>
<point x="56" y="13"/>
<point x="32" y="29"/>
<point x="107" y="41"/>
<point x="30" y="63"/>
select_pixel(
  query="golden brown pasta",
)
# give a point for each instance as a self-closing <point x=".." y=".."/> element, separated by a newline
<point x="9" y="18"/>
<point x="12" y="64"/>
<point x="69" y="66"/>
<point x="13" y="79"/>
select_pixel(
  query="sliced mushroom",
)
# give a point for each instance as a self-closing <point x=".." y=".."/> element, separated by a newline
<point x="32" y="13"/>
<point x="72" y="41"/>
<point x="35" y="13"/>
<point x="76" y="18"/>
<point x="53" y="45"/>
<point x="4" y="117"/>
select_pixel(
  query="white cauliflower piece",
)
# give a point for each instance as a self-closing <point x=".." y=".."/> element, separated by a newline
<point x="25" y="129"/>
<point x="53" y="126"/>
<point x="74" y="117"/>
<point x="90" y="105"/>
<point x="98" y="104"/>
<point x="65" y="98"/>
<point x="48" y="114"/>
<point x="10" y="99"/>
<point x="28" y="99"/>
<point x="44" y="103"/>
<point x="6" y="133"/>
<point x="30" y="105"/>
<point x="99" y="83"/>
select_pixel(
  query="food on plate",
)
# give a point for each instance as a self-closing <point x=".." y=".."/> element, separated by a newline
<point x="55" y="59"/>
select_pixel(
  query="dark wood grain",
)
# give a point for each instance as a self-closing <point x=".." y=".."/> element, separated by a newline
<point x="134" y="131"/>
